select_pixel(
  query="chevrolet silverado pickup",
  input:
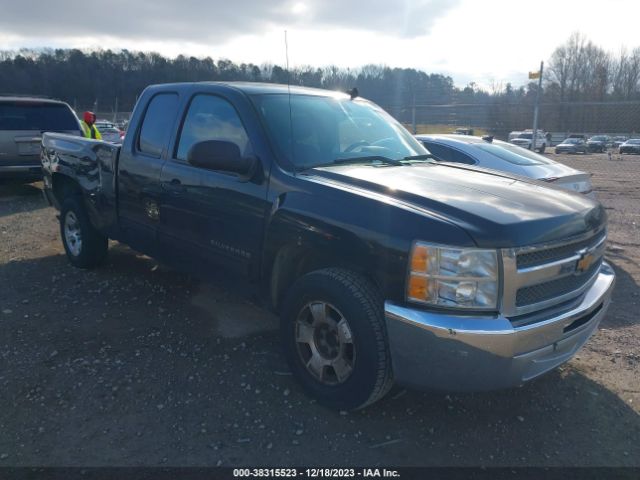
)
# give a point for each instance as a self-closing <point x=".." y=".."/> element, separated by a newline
<point x="384" y="265"/>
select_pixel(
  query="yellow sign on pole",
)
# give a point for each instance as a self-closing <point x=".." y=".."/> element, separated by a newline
<point x="534" y="75"/>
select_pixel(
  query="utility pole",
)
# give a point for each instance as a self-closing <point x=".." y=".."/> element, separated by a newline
<point x="413" y="115"/>
<point x="536" y="107"/>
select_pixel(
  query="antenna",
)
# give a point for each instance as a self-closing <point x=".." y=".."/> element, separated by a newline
<point x="286" y="52"/>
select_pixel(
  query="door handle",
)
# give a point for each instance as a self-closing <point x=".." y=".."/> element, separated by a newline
<point x="174" y="186"/>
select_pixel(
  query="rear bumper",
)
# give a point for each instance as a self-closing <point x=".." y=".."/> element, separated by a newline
<point x="455" y="353"/>
<point x="47" y="192"/>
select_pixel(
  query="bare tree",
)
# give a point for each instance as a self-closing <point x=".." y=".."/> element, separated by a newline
<point x="626" y="74"/>
<point x="580" y="69"/>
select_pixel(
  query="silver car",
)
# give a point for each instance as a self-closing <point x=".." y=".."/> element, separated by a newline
<point x="496" y="155"/>
<point x="109" y="131"/>
<point x="22" y="122"/>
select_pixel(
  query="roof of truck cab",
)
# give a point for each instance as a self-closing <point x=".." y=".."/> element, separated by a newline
<point x="258" y="88"/>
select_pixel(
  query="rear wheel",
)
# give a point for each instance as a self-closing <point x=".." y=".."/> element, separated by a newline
<point x="85" y="246"/>
<point x="542" y="148"/>
<point x="334" y="338"/>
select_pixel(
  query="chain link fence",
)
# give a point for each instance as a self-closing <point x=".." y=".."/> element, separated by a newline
<point x="561" y="119"/>
<point x="615" y="174"/>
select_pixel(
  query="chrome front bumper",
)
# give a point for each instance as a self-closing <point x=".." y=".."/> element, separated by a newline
<point x="462" y="353"/>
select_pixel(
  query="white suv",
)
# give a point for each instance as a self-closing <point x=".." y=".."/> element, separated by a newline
<point x="526" y="137"/>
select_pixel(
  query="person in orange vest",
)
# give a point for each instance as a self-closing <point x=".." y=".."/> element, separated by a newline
<point x="89" y="129"/>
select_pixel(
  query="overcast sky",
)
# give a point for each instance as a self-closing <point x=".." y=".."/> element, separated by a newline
<point x="472" y="40"/>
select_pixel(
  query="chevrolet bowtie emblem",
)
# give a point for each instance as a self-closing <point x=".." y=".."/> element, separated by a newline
<point x="586" y="260"/>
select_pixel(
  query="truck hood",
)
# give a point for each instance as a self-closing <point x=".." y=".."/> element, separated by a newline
<point x="496" y="210"/>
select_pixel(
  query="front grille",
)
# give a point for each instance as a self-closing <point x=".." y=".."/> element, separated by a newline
<point x="554" y="288"/>
<point x="538" y="257"/>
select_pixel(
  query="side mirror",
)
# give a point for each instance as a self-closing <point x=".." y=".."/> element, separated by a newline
<point x="220" y="155"/>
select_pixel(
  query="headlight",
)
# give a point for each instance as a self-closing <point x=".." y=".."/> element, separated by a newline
<point x="453" y="277"/>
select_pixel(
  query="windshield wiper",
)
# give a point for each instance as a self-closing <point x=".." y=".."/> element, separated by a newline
<point x="425" y="156"/>
<point x="356" y="160"/>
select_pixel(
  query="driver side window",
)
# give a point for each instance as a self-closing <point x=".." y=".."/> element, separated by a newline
<point x="211" y="118"/>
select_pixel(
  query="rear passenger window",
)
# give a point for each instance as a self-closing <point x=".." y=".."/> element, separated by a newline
<point x="447" y="154"/>
<point x="439" y="151"/>
<point x="212" y="118"/>
<point x="460" y="157"/>
<point x="157" y="123"/>
<point x="40" y="116"/>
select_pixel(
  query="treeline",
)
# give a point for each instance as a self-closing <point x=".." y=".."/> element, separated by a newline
<point x="85" y="79"/>
<point x="579" y="76"/>
<point x="579" y="70"/>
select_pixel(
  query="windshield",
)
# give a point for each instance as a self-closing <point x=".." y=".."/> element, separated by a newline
<point x="571" y="140"/>
<point x="634" y="141"/>
<point x="598" y="139"/>
<point x="36" y="116"/>
<point x="513" y="154"/>
<point x="525" y="135"/>
<point x="329" y="129"/>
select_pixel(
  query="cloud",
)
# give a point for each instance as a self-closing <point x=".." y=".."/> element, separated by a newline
<point x="200" y="21"/>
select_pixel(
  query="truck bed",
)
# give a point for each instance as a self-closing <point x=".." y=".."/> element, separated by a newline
<point x="92" y="164"/>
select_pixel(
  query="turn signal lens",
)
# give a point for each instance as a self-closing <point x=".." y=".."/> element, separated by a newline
<point x="419" y="259"/>
<point x="418" y="287"/>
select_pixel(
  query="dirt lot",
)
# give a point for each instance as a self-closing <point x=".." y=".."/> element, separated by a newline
<point x="135" y="364"/>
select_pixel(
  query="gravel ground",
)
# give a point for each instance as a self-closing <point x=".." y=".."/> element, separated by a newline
<point x="135" y="364"/>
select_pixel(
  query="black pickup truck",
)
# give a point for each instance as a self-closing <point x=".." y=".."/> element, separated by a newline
<point x="384" y="265"/>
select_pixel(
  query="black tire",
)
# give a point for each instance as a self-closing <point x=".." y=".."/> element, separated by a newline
<point x="91" y="251"/>
<point x="360" y="304"/>
<point x="542" y="148"/>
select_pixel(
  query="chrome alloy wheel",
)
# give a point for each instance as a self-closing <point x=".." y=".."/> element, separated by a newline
<point x="325" y="343"/>
<point x="72" y="234"/>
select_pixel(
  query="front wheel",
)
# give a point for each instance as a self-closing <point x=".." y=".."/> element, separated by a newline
<point x="85" y="246"/>
<point x="542" y="148"/>
<point x="334" y="338"/>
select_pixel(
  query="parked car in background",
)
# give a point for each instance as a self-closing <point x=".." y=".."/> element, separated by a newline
<point x="525" y="140"/>
<point x="617" y="141"/>
<point x="572" y="145"/>
<point x="109" y="131"/>
<point x="100" y="124"/>
<point x="463" y="131"/>
<point x="599" y="143"/>
<point x="631" y="146"/>
<point x="22" y="122"/>
<point x="496" y="155"/>
<point x="111" y="134"/>
<point x="514" y="134"/>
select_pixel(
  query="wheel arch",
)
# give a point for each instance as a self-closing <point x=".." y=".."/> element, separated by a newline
<point x="62" y="186"/>
<point x="294" y="252"/>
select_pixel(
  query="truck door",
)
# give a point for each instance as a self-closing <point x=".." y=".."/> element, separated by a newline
<point x="139" y="171"/>
<point x="215" y="215"/>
